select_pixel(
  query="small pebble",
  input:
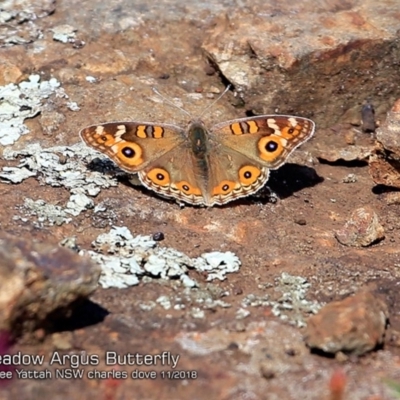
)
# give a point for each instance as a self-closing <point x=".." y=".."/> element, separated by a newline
<point x="164" y="76"/>
<point x="368" y="118"/>
<point x="350" y="178"/>
<point x="209" y="70"/>
<point x="158" y="236"/>
<point x="362" y="229"/>
<point x="237" y="290"/>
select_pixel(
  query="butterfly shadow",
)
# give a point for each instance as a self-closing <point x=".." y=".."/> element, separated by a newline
<point x="291" y="178"/>
<point x="103" y="165"/>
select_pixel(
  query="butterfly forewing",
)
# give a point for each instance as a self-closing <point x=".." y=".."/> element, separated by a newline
<point x="266" y="139"/>
<point x="133" y="145"/>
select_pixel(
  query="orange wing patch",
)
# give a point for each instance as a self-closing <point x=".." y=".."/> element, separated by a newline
<point x="243" y="127"/>
<point x="149" y="131"/>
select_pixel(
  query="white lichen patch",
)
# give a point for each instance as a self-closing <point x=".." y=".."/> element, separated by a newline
<point x="291" y="305"/>
<point x="218" y="264"/>
<point x="5" y="16"/>
<point x="18" y="20"/>
<point x="64" y="33"/>
<point x="79" y="202"/>
<point x="91" y="79"/>
<point x="197" y="313"/>
<point x="16" y="174"/>
<point x="126" y="259"/>
<point x="73" y="106"/>
<point x="242" y="313"/>
<point x="17" y="23"/>
<point x="252" y="300"/>
<point x="47" y="214"/>
<point x="22" y="101"/>
<point x="164" y="302"/>
<point x="59" y="166"/>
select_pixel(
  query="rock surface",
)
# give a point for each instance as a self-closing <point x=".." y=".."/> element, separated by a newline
<point x="39" y="279"/>
<point x="279" y="65"/>
<point x="384" y="163"/>
<point x="354" y="325"/>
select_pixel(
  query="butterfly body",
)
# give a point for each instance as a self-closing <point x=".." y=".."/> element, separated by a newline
<point x="197" y="165"/>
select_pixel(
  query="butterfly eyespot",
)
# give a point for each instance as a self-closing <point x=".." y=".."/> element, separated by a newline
<point x="107" y="140"/>
<point x="159" y="176"/>
<point x="248" y="175"/>
<point x="188" y="189"/>
<point x="224" y="187"/>
<point x="130" y="156"/>
<point x="128" y="152"/>
<point x="290" y="133"/>
<point x="271" y="146"/>
<point x="269" y="149"/>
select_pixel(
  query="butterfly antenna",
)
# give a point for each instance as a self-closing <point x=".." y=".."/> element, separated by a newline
<point x="171" y="103"/>
<point x="215" y="101"/>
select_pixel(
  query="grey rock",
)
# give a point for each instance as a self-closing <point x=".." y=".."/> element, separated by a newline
<point x="38" y="279"/>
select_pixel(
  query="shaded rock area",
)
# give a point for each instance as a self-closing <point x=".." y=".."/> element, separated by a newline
<point x="205" y="303"/>
<point x="40" y="283"/>
<point x="344" y="143"/>
<point x="384" y="162"/>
